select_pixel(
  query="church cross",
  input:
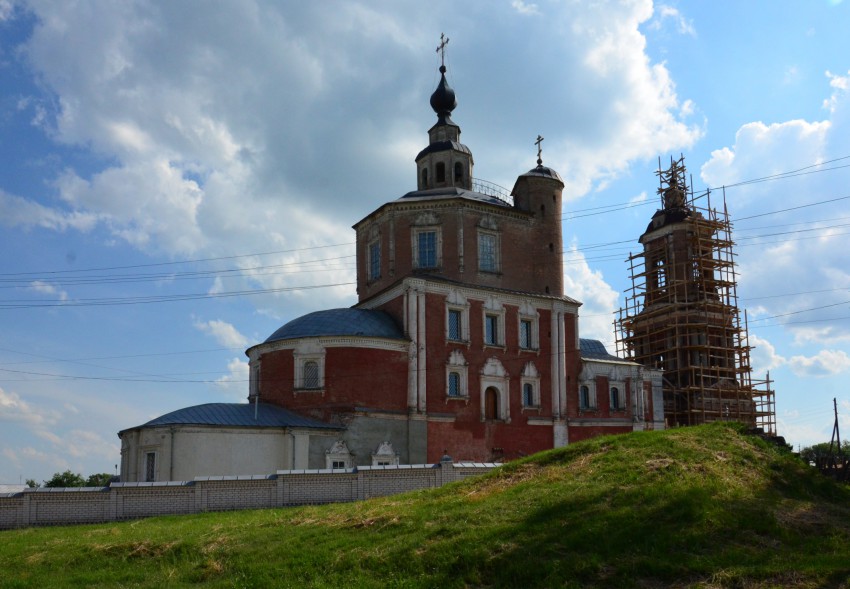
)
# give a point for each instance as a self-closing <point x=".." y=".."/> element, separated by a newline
<point x="442" y="48"/>
<point x="539" y="150"/>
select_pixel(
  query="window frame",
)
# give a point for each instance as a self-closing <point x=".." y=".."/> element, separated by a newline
<point x="300" y="381"/>
<point x="373" y="260"/>
<point x="622" y="397"/>
<point x="457" y="364"/>
<point x="591" y="396"/>
<point x="438" y="247"/>
<point x="492" y="253"/>
<point x="150" y="467"/>
<point x="530" y="377"/>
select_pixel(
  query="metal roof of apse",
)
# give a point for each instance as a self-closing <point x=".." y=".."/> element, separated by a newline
<point x="236" y="414"/>
<point x="594" y="349"/>
<point x="363" y="322"/>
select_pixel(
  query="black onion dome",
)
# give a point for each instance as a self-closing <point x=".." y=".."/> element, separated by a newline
<point x="443" y="99"/>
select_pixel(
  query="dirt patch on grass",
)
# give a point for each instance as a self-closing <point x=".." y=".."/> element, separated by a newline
<point x="137" y="550"/>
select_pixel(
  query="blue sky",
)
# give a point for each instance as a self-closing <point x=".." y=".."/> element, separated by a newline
<point x="178" y="180"/>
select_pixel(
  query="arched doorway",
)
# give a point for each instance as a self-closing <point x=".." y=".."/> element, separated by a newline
<point x="491" y="403"/>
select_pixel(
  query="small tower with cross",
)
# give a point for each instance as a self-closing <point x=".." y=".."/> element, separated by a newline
<point x="446" y="162"/>
<point x="539" y="192"/>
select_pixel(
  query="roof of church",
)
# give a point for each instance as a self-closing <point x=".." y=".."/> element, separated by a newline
<point x="453" y="192"/>
<point x="236" y="414"/>
<point x="544" y="172"/>
<point x="362" y="322"/>
<point x="594" y="349"/>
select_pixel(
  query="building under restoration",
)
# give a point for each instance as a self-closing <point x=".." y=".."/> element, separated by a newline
<point x="681" y="312"/>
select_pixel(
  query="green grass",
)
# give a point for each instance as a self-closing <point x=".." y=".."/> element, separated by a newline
<point x="693" y="507"/>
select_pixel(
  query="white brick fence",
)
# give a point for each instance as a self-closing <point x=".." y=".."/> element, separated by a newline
<point x="121" y="501"/>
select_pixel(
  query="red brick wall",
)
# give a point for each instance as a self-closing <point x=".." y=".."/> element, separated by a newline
<point x="353" y="377"/>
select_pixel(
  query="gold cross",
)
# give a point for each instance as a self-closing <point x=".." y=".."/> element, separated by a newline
<point x="442" y="48"/>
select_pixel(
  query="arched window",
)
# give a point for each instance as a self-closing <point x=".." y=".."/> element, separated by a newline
<point x="424" y="178"/>
<point x="311" y="375"/>
<point x="458" y="172"/>
<point x="616" y="402"/>
<point x="491" y="404"/>
<point x="440" y="172"/>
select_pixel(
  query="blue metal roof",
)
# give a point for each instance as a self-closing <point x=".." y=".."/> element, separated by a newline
<point x="594" y="349"/>
<point x="363" y="322"/>
<point x="236" y="414"/>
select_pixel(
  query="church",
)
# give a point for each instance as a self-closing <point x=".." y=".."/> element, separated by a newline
<point x="462" y="343"/>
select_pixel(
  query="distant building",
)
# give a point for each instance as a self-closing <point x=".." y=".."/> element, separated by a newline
<point x="462" y="341"/>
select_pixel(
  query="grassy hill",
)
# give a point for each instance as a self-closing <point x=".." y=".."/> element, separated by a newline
<point x="702" y="507"/>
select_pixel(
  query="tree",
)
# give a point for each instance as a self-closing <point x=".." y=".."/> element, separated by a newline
<point x="98" y="480"/>
<point x="32" y="484"/>
<point x="819" y="454"/>
<point x="66" y="479"/>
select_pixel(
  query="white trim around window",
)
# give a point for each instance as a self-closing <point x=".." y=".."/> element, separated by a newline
<point x="432" y="254"/>
<point x="457" y="376"/>
<point x="621" y="396"/>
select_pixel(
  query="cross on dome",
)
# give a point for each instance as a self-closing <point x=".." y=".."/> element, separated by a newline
<point x="539" y="150"/>
<point x="441" y="49"/>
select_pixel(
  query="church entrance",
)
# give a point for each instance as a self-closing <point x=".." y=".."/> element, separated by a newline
<point x="491" y="403"/>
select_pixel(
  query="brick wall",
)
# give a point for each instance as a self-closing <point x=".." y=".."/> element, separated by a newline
<point x="122" y="501"/>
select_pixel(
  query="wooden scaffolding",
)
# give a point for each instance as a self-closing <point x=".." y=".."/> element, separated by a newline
<point x="681" y="312"/>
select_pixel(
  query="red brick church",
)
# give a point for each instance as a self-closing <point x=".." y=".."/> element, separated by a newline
<point x="462" y="341"/>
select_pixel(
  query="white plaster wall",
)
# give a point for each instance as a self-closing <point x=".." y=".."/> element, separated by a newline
<point x="228" y="452"/>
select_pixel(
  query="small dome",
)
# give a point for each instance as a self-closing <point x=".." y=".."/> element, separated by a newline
<point x="544" y="172"/>
<point x="363" y="322"/>
<point x="443" y="99"/>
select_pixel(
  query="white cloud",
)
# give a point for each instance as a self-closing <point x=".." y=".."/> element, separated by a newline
<point x="824" y="363"/>
<point x="223" y="332"/>
<point x="20" y="212"/>
<point x="46" y="288"/>
<point x="235" y="382"/>
<point x="599" y="300"/>
<point x="668" y="13"/>
<point x="15" y="409"/>
<point x="523" y="8"/>
<point x="763" y="356"/>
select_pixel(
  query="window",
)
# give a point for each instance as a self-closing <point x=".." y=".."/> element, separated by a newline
<point x="424" y="178"/>
<point x="150" y="467"/>
<point x="440" y="172"/>
<point x="311" y="375"/>
<point x="456" y="376"/>
<point x="616" y="400"/>
<point x="525" y="334"/>
<point x="458" y="172"/>
<point x="455" y="325"/>
<point x="528" y="326"/>
<point x="374" y="260"/>
<point x="488" y="252"/>
<point x="337" y="463"/>
<point x="309" y="367"/>
<point x="587" y="396"/>
<point x="454" y="384"/>
<point x="491" y="330"/>
<point x="530" y="386"/>
<point x="528" y="395"/>
<point x="426" y="249"/>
